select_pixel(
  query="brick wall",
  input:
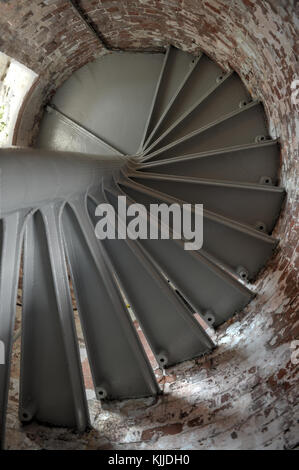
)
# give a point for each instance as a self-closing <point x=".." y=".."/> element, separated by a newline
<point x="244" y="395"/>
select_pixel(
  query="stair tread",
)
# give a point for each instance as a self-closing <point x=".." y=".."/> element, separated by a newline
<point x="103" y="314"/>
<point x="201" y="82"/>
<point x="171" y="257"/>
<point x="227" y="97"/>
<point x="165" y="320"/>
<point x="249" y="203"/>
<point x="232" y="243"/>
<point x="239" y="127"/>
<point x="176" y="65"/>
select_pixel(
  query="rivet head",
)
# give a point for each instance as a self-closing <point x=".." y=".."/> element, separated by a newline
<point x="209" y="317"/>
<point x="265" y="180"/>
<point x="261" y="226"/>
<point x="242" y="104"/>
<point x="101" y="393"/>
<point x="260" y="138"/>
<point x="243" y="273"/>
<point x="162" y="359"/>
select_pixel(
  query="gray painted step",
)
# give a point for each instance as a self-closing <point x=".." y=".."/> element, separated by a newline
<point x="47" y="392"/>
<point x="247" y="203"/>
<point x="244" y="126"/>
<point x="119" y="367"/>
<point x="231" y="243"/>
<point x="203" y="79"/>
<point x="225" y="99"/>
<point x="194" y="275"/>
<point x="59" y="131"/>
<point x="110" y="97"/>
<point x="176" y="68"/>
<point x="254" y="163"/>
<point x="169" y="327"/>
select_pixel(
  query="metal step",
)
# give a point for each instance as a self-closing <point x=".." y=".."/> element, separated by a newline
<point x="225" y="99"/>
<point x="120" y="368"/>
<point x="253" y="163"/>
<point x="51" y="382"/>
<point x="109" y="97"/>
<point x="243" y="126"/>
<point x="176" y="68"/>
<point x="172" y="332"/>
<point x="231" y="243"/>
<point x="205" y="77"/>
<point x="255" y="205"/>
<point x="42" y="180"/>
<point x="194" y="275"/>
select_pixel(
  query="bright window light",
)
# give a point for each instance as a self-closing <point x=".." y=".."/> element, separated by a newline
<point x="15" y="81"/>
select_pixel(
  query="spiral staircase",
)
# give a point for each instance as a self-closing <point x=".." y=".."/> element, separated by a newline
<point x="192" y="134"/>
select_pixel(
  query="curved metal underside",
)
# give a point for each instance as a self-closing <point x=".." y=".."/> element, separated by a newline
<point x="200" y="139"/>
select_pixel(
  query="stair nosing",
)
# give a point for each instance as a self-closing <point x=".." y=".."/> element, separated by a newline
<point x="219" y="218"/>
<point x="225" y="275"/>
<point x="208" y="182"/>
<point x="208" y="153"/>
<point x="224" y="118"/>
<point x="154" y="98"/>
<point x="168" y="107"/>
<point x="209" y="92"/>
